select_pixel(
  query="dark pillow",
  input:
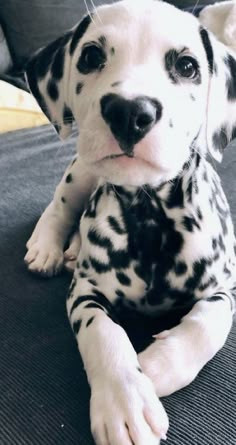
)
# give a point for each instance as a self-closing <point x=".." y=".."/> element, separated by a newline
<point x="31" y="24"/>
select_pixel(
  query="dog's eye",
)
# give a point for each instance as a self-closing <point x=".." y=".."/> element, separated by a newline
<point x="92" y="58"/>
<point x="187" y="66"/>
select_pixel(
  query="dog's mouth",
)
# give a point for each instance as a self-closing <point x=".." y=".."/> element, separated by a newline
<point x="115" y="156"/>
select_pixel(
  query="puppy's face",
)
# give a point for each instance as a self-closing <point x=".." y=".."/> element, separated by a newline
<point x="135" y="77"/>
<point x="142" y="94"/>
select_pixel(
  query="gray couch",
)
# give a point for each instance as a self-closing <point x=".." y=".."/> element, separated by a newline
<point x="44" y="397"/>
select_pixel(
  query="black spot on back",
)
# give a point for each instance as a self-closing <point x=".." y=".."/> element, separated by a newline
<point x="79" y="32"/>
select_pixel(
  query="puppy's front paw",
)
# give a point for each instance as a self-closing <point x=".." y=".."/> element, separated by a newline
<point x="126" y="411"/>
<point x="44" y="258"/>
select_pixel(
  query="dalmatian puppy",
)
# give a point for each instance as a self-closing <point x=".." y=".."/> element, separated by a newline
<point x="153" y="94"/>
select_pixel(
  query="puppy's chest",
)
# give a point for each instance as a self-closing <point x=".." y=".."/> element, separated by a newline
<point x="140" y="257"/>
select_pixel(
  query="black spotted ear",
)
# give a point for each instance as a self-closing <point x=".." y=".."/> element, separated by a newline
<point x="48" y="73"/>
<point x="221" y="107"/>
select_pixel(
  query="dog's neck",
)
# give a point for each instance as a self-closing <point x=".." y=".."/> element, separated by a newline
<point x="174" y="190"/>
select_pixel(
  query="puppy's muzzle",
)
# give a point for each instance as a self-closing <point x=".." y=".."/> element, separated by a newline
<point x="130" y="120"/>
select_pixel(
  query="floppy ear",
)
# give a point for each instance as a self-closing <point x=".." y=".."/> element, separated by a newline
<point x="221" y="106"/>
<point x="48" y="76"/>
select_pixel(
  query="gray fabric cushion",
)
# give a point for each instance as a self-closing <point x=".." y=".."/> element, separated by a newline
<point x="5" y="58"/>
<point x="44" y="397"/>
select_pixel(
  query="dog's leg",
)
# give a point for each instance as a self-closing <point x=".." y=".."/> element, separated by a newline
<point x="176" y="356"/>
<point x="46" y="245"/>
<point x="124" y="408"/>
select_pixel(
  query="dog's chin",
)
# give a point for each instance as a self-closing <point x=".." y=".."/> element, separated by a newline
<point x="127" y="170"/>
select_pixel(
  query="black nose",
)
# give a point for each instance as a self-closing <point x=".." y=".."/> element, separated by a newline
<point x="130" y="120"/>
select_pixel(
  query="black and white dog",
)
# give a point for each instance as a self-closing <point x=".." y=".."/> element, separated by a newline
<point x="153" y="94"/>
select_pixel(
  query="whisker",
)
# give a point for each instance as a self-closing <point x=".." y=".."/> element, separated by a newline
<point x="195" y="6"/>
<point x="145" y="191"/>
<point x="88" y="11"/>
<point x="96" y="11"/>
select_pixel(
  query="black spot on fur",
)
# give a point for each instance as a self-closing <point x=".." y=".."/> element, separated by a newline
<point x="189" y="190"/>
<point x="82" y="274"/>
<point x="43" y="58"/>
<point x="199" y="213"/>
<point x="199" y="268"/>
<point x="115" y="225"/>
<point x="96" y="239"/>
<point x="171" y="124"/>
<point x="85" y="264"/>
<point x="231" y="81"/>
<point x="79" y="87"/>
<point x="99" y="298"/>
<point x="52" y="90"/>
<point x="220" y="139"/>
<point x="67" y="115"/>
<point x="139" y="370"/>
<point x="120" y="293"/>
<point x="214" y="243"/>
<point x="112" y="51"/>
<point x="211" y="282"/>
<point x="190" y="223"/>
<point x="76" y="326"/>
<point x="102" y="40"/>
<point x="98" y="266"/>
<point x="79" y="32"/>
<point x="208" y="48"/>
<point x="93" y="282"/>
<point x="69" y="178"/>
<point x="176" y="195"/>
<point x="89" y="322"/>
<point x="180" y="268"/>
<point x="116" y="84"/>
<point x="123" y="278"/>
<point x="57" y="68"/>
<point x="221" y="243"/>
<point x="192" y="97"/>
<point x="63" y="199"/>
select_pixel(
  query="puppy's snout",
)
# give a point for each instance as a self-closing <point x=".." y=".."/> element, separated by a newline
<point x="130" y="120"/>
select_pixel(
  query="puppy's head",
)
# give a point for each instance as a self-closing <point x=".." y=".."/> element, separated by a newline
<point x="146" y="86"/>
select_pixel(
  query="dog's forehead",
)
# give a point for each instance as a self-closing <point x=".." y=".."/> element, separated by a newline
<point x="149" y="21"/>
